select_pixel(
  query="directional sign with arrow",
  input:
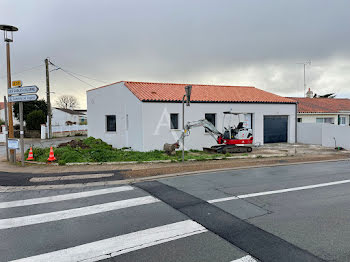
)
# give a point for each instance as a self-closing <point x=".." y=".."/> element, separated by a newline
<point x="23" y="98"/>
<point x="22" y="90"/>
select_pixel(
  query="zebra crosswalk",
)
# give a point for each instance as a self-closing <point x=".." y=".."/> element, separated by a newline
<point x="120" y="223"/>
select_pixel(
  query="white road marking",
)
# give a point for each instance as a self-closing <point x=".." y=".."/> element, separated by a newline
<point x="76" y="212"/>
<point x="118" y="245"/>
<point x="279" y="191"/>
<point x="72" y="177"/>
<point x="245" y="259"/>
<point x="50" y="199"/>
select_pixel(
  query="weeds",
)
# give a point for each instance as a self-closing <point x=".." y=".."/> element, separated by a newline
<point x="98" y="151"/>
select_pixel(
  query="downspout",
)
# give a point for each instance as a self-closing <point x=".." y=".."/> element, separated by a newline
<point x="296" y="122"/>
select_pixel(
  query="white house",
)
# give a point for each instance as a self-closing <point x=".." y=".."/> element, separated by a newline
<point x="324" y="110"/>
<point x="2" y="114"/>
<point x="144" y="116"/>
<point x="63" y="116"/>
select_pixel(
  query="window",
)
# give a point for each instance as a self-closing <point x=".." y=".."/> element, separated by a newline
<point x="174" y="121"/>
<point x="210" y="118"/>
<point x="299" y="119"/>
<point x="327" y="120"/>
<point x="342" y="120"/>
<point x="111" y="124"/>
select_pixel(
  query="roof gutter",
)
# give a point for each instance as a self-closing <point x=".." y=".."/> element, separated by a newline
<point x="218" y="102"/>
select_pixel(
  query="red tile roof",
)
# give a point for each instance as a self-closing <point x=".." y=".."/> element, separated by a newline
<point x="166" y="92"/>
<point x="322" y="105"/>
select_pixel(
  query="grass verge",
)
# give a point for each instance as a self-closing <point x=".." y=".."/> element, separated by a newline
<point x="95" y="150"/>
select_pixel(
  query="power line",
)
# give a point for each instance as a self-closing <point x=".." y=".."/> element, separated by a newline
<point x="32" y="68"/>
<point x="74" y="75"/>
<point x="77" y="78"/>
<point x="60" y="68"/>
<point x="94" y="79"/>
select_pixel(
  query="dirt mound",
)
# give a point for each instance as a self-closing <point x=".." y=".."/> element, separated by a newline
<point x="74" y="144"/>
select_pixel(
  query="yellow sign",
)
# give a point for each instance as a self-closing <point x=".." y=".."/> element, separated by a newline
<point x="17" y="83"/>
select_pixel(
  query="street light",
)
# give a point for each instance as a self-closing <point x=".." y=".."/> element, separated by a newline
<point x="188" y="90"/>
<point x="8" y="38"/>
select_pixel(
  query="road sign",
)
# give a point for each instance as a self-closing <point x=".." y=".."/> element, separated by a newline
<point x="22" y="90"/>
<point x="17" y="83"/>
<point x="13" y="143"/>
<point x="23" y="98"/>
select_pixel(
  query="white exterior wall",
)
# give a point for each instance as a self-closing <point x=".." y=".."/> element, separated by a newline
<point x="310" y="133"/>
<point x="59" y="118"/>
<point x="311" y="118"/>
<point x="324" y="134"/>
<point x="2" y="117"/>
<point x="115" y="100"/>
<point x="156" y="121"/>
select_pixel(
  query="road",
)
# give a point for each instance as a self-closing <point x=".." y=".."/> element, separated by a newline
<point x="284" y="213"/>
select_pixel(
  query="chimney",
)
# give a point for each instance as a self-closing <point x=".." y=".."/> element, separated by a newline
<point x="309" y="94"/>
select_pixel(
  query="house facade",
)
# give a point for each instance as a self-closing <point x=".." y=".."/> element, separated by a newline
<point x="324" y="110"/>
<point x="64" y="116"/>
<point x="144" y="116"/>
<point x="2" y="114"/>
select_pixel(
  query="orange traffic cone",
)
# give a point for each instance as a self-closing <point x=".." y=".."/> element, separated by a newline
<point x="30" y="155"/>
<point x="51" y="156"/>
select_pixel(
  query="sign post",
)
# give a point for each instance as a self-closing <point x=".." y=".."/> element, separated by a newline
<point x="7" y="129"/>
<point x="21" y="131"/>
<point x="21" y="94"/>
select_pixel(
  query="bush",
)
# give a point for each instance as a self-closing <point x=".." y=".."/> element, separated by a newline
<point x="35" y="119"/>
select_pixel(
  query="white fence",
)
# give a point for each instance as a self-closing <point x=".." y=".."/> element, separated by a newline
<point x="3" y="134"/>
<point x="61" y="131"/>
<point x="327" y="135"/>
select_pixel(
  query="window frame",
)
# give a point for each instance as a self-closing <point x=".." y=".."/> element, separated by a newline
<point x="177" y="120"/>
<point x="342" y="118"/>
<point x="324" y="120"/>
<point x="205" y="117"/>
<point x="115" y="123"/>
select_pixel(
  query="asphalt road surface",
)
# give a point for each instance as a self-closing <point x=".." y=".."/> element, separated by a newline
<point x="285" y="213"/>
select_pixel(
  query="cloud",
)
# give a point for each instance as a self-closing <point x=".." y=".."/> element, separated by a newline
<point x="248" y="42"/>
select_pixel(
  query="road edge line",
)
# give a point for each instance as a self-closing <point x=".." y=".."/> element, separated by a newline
<point x="4" y="189"/>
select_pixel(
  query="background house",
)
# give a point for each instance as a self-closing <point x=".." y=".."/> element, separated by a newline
<point x="324" y="110"/>
<point x="144" y="116"/>
<point x="2" y="114"/>
<point x="63" y="116"/>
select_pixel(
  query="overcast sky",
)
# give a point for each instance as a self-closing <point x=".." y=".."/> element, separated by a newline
<point x="250" y="42"/>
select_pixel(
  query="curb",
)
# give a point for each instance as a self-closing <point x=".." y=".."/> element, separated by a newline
<point x="4" y="189"/>
<point x="159" y="161"/>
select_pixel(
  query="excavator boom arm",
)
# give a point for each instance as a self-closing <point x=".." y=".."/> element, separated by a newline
<point x="208" y="126"/>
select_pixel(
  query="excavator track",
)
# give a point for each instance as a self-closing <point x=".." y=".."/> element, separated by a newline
<point x="223" y="149"/>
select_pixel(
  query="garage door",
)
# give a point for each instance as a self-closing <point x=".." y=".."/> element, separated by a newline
<point x="275" y="129"/>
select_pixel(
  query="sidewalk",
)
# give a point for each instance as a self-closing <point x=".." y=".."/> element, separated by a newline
<point x="149" y="169"/>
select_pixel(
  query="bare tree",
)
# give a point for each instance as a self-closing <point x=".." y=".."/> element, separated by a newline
<point x="67" y="102"/>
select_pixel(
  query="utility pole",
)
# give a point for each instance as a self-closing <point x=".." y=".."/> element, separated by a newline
<point x="304" y="83"/>
<point x="48" y="98"/>
<point x="183" y="129"/>
<point x="304" y="64"/>
<point x="8" y="38"/>
<point x="187" y="96"/>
